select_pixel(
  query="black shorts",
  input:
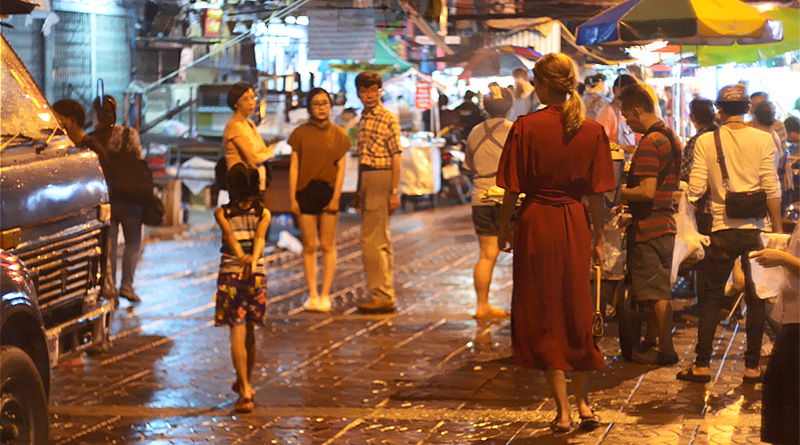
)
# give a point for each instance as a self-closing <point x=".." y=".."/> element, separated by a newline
<point x="486" y="220"/>
<point x="649" y="265"/>
<point x="314" y="197"/>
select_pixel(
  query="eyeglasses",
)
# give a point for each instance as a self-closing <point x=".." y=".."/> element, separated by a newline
<point x="319" y="104"/>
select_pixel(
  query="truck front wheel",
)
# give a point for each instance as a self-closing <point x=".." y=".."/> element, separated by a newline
<point x="23" y="403"/>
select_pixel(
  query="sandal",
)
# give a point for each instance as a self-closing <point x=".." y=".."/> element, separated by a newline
<point x="556" y="428"/>
<point x="589" y="423"/>
<point x="755" y="379"/>
<point x="688" y="375"/>
<point x="235" y="388"/>
<point x="244" y="405"/>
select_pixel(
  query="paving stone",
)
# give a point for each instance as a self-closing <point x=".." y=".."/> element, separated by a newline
<point x="428" y="374"/>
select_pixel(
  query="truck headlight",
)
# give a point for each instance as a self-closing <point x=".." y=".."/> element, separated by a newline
<point x="104" y="213"/>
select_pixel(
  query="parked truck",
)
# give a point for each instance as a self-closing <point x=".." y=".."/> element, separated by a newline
<point x="54" y="221"/>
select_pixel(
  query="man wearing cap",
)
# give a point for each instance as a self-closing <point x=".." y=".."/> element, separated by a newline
<point x="749" y="158"/>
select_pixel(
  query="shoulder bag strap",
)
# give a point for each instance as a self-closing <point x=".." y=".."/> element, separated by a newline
<point x="125" y="136"/>
<point x="676" y="153"/>
<point x="721" y="158"/>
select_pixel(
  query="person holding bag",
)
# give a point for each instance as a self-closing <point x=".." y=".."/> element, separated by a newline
<point x="737" y="163"/>
<point x="241" y="141"/>
<point x="316" y="173"/>
<point x="555" y="156"/>
<point x="128" y="192"/>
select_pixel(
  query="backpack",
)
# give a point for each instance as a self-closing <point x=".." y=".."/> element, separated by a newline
<point x="130" y="179"/>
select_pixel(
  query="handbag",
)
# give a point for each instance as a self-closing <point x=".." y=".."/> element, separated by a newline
<point x="598" y="325"/>
<point x="129" y="178"/>
<point x="153" y="212"/>
<point x="742" y="205"/>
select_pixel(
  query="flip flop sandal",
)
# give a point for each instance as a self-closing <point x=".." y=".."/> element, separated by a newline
<point x="688" y="375"/>
<point x="235" y="388"/>
<point x="589" y="423"/>
<point x="753" y="380"/>
<point x="556" y="428"/>
<point x="244" y="405"/>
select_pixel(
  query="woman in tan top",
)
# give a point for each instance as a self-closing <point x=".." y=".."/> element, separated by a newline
<point x="316" y="172"/>
<point x="241" y="141"/>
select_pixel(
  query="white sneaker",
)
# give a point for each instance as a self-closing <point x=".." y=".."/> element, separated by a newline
<point x="324" y="304"/>
<point x="312" y="304"/>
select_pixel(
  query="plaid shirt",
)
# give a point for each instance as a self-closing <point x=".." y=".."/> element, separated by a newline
<point x="378" y="138"/>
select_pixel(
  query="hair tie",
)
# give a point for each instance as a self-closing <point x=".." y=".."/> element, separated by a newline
<point x="497" y="93"/>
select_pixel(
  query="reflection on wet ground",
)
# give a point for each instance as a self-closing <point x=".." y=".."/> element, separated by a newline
<point x="427" y="374"/>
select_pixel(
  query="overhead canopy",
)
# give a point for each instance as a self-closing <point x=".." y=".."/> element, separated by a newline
<point x="384" y="62"/>
<point x="717" y="55"/>
<point x="685" y="22"/>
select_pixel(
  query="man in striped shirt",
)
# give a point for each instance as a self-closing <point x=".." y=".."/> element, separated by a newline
<point x="378" y="179"/>
<point x="652" y="179"/>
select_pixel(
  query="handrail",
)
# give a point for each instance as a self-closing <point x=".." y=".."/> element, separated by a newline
<point x="275" y="15"/>
<point x="168" y="115"/>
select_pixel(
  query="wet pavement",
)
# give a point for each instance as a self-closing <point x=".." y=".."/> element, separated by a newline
<point x="428" y="374"/>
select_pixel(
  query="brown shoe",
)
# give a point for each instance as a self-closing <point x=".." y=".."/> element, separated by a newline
<point x="377" y="307"/>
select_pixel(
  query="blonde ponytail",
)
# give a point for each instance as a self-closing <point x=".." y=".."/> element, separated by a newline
<point x="572" y="117"/>
<point x="558" y="70"/>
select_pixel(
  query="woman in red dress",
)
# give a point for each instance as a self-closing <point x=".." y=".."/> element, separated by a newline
<point x="555" y="156"/>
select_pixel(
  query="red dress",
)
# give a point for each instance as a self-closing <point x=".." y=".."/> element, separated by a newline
<point x="551" y="307"/>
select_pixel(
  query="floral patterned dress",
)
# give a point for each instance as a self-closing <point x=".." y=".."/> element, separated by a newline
<point x="241" y="300"/>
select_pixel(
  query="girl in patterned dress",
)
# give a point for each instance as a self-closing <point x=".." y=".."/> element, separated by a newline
<point x="241" y="286"/>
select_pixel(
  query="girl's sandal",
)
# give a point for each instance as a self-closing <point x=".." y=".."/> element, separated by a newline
<point x="556" y="428"/>
<point x="235" y="388"/>
<point x="244" y="405"/>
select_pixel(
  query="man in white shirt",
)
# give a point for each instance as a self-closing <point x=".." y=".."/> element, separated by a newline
<point x="749" y="156"/>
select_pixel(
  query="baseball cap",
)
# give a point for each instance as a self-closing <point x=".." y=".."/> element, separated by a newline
<point x="733" y="93"/>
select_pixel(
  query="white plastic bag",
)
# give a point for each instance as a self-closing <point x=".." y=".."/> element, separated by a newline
<point x="287" y="241"/>
<point x="688" y="241"/>
<point x="768" y="279"/>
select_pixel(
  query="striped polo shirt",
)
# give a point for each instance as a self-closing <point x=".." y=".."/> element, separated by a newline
<point x="655" y="157"/>
<point x="244" y="226"/>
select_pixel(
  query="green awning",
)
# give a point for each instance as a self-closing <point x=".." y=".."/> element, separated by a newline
<point x="385" y="56"/>
<point x="384" y="62"/>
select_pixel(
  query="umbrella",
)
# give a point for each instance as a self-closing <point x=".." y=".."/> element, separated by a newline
<point x="499" y="62"/>
<point x="681" y="22"/>
<point x="716" y="55"/>
<point x="8" y="7"/>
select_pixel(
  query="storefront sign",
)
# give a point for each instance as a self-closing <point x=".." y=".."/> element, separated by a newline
<point x="423" y="97"/>
<point x="212" y="23"/>
<point x="346" y="34"/>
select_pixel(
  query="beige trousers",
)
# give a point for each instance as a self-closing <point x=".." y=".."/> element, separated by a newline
<point x="376" y="247"/>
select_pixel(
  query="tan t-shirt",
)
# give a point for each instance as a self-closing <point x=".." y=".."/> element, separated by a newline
<point x="243" y="131"/>
<point x="319" y="148"/>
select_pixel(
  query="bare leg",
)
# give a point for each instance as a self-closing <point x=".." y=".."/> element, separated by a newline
<point x="308" y="231"/>
<point x="582" y="393"/>
<point x="327" y="239"/>
<point x="483" y="277"/>
<point x="240" y="358"/>
<point x="558" y="385"/>
<point x="250" y="346"/>
<point x="651" y="336"/>
<point x="663" y="314"/>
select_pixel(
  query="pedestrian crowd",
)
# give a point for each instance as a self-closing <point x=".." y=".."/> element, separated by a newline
<point x="548" y="145"/>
